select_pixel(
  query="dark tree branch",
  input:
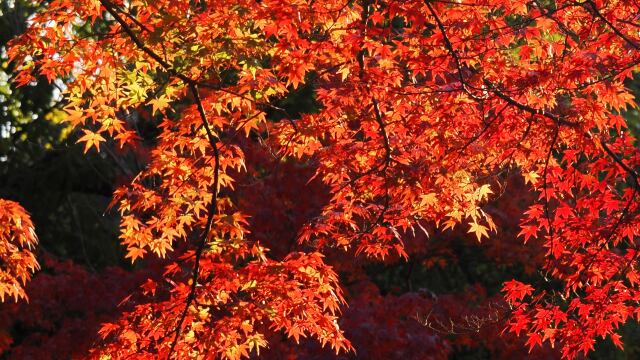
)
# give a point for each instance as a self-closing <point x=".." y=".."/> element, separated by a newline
<point x="454" y="54"/>
<point x="213" y="141"/>
<point x="556" y="132"/>
<point x="113" y="11"/>
<point x="526" y="108"/>
<point x="193" y="87"/>
<point x="591" y="7"/>
<point x="381" y="126"/>
<point x="632" y="173"/>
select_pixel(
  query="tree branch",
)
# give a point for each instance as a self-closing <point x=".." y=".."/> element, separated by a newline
<point x="454" y="54"/>
<point x="211" y="211"/>
<point x="111" y="9"/>
<point x="591" y="7"/>
<point x="193" y="87"/>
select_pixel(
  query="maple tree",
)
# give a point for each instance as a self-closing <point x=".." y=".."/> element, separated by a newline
<point x="422" y="112"/>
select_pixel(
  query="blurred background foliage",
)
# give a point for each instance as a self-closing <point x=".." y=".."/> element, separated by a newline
<point x="67" y="192"/>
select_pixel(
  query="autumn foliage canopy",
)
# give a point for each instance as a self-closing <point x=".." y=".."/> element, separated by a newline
<point x="425" y="115"/>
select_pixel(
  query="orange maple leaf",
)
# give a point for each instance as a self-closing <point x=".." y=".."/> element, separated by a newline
<point x="91" y="139"/>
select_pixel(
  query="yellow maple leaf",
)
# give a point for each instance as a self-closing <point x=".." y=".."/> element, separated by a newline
<point x="428" y="199"/>
<point x="483" y="192"/>
<point x="531" y="177"/>
<point x="479" y="230"/>
<point x="160" y="103"/>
